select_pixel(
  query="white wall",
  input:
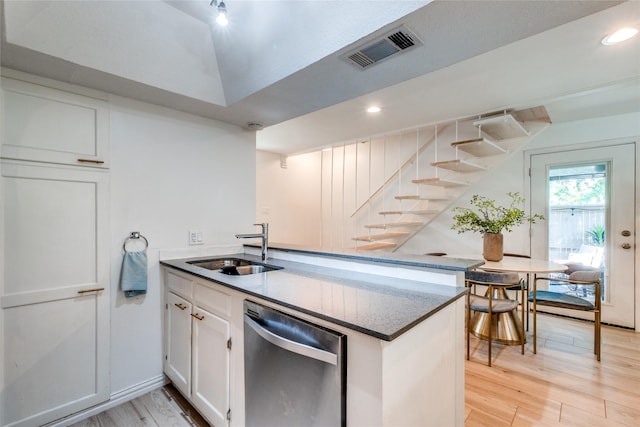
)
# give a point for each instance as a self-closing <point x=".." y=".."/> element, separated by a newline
<point x="289" y="198"/>
<point x="170" y="173"/>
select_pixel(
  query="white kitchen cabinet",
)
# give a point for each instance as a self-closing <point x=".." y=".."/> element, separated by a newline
<point x="54" y="266"/>
<point x="44" y="124"/>
<point x="54" y="291"/>
<point x="210" y="365"/>
<point x="178" y="342"/>
<point x="198" y="345"/>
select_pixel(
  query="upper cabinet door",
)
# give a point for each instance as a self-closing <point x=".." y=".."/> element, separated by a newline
<point x="49" y="125"/>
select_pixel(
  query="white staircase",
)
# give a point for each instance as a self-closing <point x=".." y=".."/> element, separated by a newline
<point x="452" y="164"/>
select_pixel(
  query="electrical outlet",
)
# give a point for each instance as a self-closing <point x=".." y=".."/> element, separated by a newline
<point x="195" y="238"/>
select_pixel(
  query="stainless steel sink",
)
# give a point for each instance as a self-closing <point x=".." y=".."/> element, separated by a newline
<point x="234" y="266"/>
<point x="218" y="263"/>
<point x="247" y="269"/>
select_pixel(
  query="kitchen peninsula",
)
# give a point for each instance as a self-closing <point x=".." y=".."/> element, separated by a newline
<point x="403" y="318"/>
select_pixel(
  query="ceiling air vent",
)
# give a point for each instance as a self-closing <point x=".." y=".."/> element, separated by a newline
<point x="392" y="43"/>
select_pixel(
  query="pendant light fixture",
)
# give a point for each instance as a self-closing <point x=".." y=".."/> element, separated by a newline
<point x="221" y="19"/>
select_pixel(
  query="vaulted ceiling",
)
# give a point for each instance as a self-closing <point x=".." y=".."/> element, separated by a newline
<point x="279" y="63"/>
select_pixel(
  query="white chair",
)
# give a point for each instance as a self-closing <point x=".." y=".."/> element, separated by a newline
<point x="587" y="255"/>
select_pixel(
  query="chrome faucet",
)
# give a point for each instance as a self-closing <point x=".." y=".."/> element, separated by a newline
<point x="264" y="236"/>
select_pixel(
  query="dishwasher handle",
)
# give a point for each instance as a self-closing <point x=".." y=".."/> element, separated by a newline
<point x="292" y="346"/>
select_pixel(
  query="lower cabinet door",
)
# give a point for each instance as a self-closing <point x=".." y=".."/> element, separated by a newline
<point x="177" y="363"/>
<point x="52" y="353"/>
<point x="210" y="368"/>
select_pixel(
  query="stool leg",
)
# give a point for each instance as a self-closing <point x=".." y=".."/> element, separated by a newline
<point x="535" y="322"/>
<point x="523" y="336"/>
<point x="527" y="300"/>
<point x="597" y="320"/>
<point x="490" y="336"/>
<point x="468" y="323"/>
<point x="490" y="321"/>
<point x="597" y="336"/>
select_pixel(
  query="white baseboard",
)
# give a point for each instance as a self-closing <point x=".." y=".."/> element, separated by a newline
<point x="116" y="399"/>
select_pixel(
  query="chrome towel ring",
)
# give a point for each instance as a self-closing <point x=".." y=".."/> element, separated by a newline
<point x="135" y="235"/>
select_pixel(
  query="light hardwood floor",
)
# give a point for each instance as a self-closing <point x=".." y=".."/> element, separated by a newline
<point x="163" y="407"/>
<point x="562" y="384"/>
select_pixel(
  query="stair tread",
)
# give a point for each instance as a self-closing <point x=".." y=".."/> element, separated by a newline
<point x="459" y="165"/>
<point x="410" y="212"/>
<point x="479" y="147"/>
<point x="502" y="126"/>
<point x="441" y="182"/>
<point x="395" y="224"/>
<point x="374" y="237"/>
<point x="374" y="246"/>
<point x="418" y="197"/>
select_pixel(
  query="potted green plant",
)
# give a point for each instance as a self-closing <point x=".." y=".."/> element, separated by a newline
<point x="491" y="220"/>
<point x="596" y="235"/>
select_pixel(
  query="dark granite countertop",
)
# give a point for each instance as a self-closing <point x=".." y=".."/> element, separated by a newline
<point x="377" y="305"/>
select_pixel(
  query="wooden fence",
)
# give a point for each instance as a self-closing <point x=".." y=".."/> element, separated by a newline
<point x="569" y="228"/>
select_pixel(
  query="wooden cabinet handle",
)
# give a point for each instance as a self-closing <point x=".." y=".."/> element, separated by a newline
<point x="198" y="316"/>
<point x="84" y="291"/>
<point x="97" y="162"/>
<point x="180" y="306"/>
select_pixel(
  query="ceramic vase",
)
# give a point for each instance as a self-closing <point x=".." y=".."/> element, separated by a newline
<point x="492" y="246"/>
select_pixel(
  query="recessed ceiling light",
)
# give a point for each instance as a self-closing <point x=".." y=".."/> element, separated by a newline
<point x="373" y="109"/>
<point x="255" y="126"/>
<point x="619" y="36"/>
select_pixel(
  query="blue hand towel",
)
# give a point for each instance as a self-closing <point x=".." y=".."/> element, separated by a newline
<point x="133" y="276"/>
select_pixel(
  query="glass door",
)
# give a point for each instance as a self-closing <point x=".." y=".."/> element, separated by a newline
<point x="588" y="199"/>
<point x="577" y="217"/>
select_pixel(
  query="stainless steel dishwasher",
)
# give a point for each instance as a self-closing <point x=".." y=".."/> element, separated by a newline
<point x="294" y="371"/>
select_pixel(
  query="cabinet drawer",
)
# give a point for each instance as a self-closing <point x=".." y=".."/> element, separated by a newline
<point x="179" y="284"/>
<point x="212" y="299"/>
